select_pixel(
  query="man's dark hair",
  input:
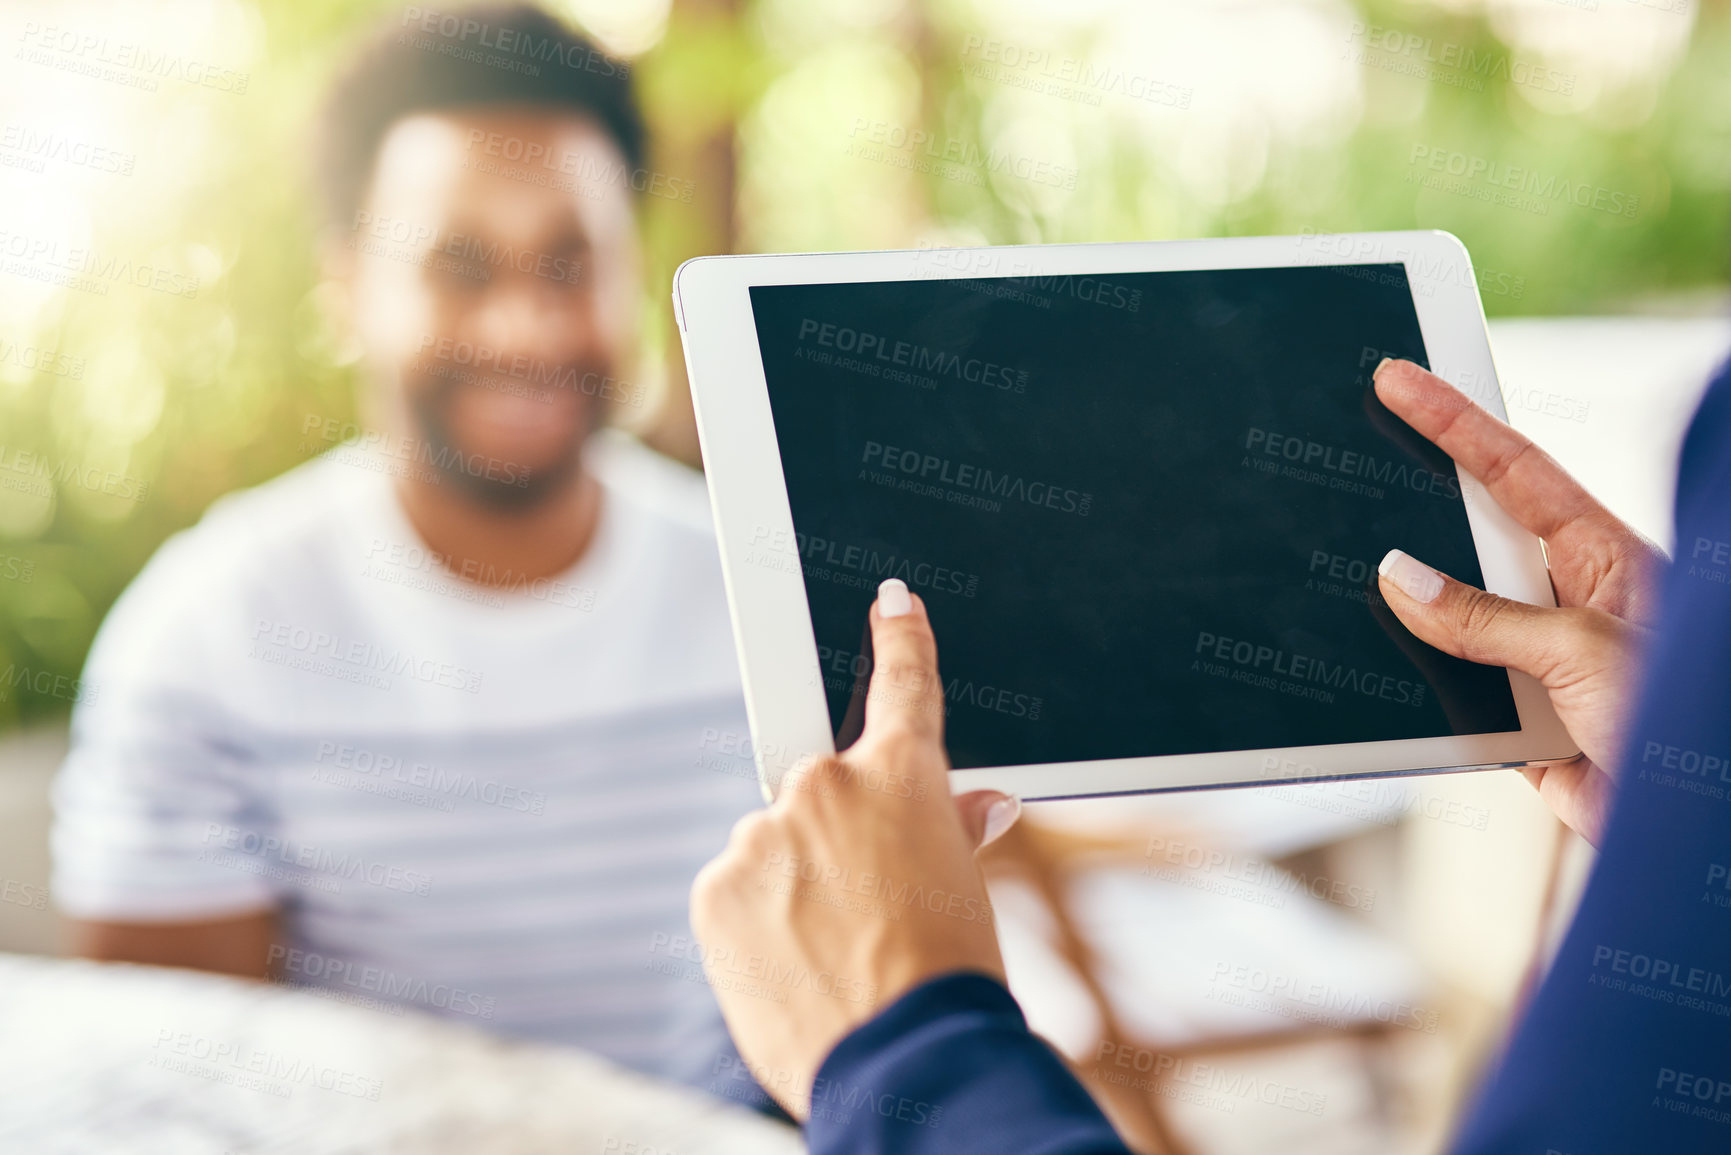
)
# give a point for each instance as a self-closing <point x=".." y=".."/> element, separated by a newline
<point x="425" y="61"/>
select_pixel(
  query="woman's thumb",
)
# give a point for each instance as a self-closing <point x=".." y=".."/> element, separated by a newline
<point x="1469" y="623"/>
<point x="986" y="814"/>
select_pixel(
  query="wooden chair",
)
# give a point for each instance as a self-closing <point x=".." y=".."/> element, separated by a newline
<point x="1047" y="861"/>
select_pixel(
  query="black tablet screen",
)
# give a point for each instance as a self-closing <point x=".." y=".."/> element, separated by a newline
<point x="1144" y="510"/>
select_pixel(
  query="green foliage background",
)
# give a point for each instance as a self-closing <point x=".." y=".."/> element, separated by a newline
<point x="196" y="397"/>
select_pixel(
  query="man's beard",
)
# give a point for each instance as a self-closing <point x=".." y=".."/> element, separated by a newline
<point x="512" y="488"/>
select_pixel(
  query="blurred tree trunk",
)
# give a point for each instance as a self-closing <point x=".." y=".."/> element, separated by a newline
<point x="694" y="86"/>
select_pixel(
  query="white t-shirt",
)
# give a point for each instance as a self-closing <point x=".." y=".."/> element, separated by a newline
<point x="484" y="804"/>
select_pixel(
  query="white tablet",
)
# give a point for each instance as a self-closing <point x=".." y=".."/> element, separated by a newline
<point x="1142" y="489"/>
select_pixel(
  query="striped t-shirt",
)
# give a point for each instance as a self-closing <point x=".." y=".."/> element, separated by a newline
<point x="481" y="803"/>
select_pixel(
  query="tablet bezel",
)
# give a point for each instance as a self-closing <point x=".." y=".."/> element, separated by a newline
<point x="766" y="594"/>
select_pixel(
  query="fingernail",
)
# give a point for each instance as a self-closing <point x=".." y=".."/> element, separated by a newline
<point x="893" y="599"/>
<point x="1413" y="578"/>
<point x="1000" y="816"/>
<point x="1374" y="373"/>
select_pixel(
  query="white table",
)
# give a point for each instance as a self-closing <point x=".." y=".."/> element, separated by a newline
<point x="101" y="1058"/>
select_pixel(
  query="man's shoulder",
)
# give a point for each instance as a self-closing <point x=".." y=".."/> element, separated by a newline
<point x="276" y="527"/>
<point x="664" y="492"/>
<point x="275" y="536"/>
<point x="302" y="502"/>
<point x="677" y="568"/>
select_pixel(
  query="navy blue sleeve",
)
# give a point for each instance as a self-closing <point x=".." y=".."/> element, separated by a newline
<point x="1627" y="1044"/>
<point x="951" y="1067"/>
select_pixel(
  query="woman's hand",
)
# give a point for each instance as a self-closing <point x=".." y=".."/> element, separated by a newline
<point x="1585" y="651"/>
<point x="859" y="882"/>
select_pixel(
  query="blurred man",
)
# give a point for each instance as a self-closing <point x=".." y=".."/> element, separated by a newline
<point x="433" y="719"/>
